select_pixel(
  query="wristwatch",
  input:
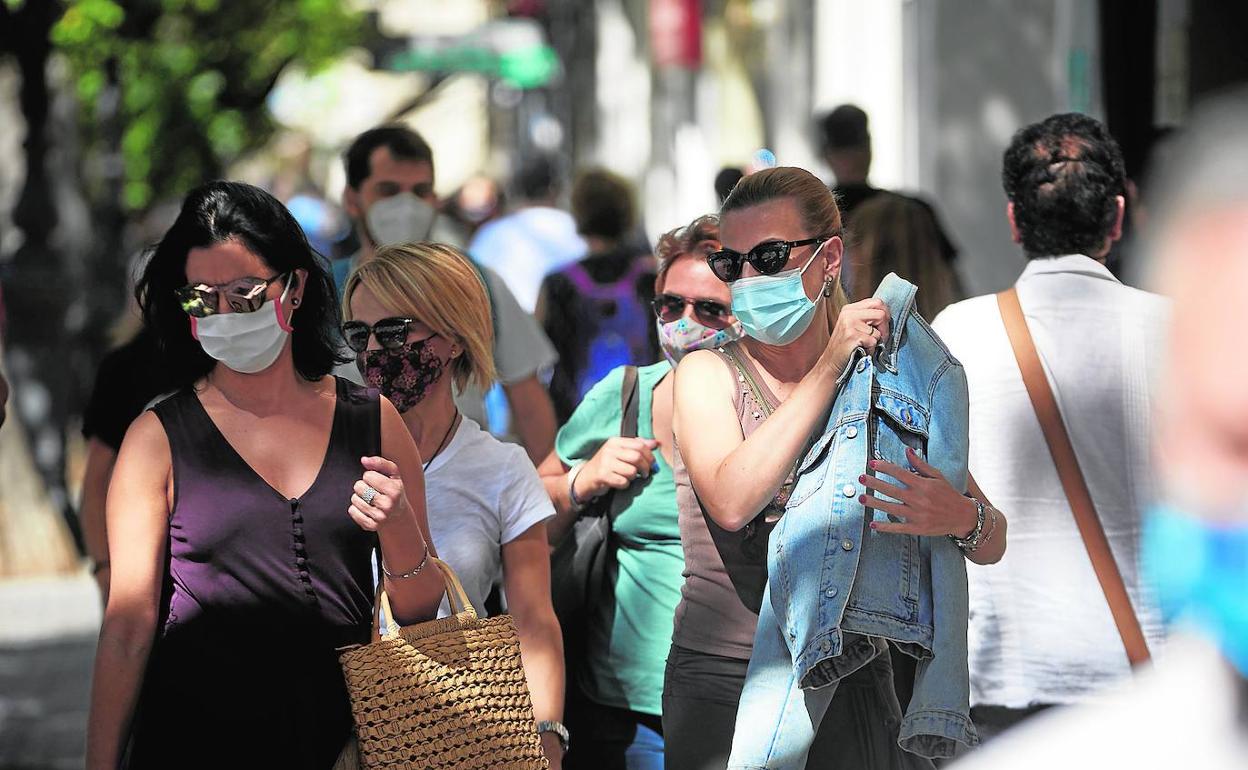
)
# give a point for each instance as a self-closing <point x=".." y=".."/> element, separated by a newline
<point x="561" y="732"/>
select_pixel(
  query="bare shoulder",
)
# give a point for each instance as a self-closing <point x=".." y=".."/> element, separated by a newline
<point x="702" y="369"/>
<point x="146" y="439"/>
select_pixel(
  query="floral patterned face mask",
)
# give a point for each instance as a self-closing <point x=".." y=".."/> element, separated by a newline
<point x="403" y="374"/>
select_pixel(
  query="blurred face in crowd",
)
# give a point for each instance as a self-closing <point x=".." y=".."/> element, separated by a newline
<point x="389" y="176"/>
<point x="1203" y="429"/>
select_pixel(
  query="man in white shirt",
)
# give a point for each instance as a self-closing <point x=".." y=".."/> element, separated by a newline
<point x="390" y="198"/>
<point x="532" y="240"/>
<point x="1191" y="709"/>
<point x="1040" y="631"/>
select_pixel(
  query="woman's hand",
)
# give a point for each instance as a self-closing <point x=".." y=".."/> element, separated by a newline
<point x="617" y="464"/>
<point x="862" y="324"/>
<point x="379" y="496"/>
<point x="929" y="503"/>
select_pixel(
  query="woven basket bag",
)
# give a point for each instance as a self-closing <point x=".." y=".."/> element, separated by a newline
<point x="447" y="693"/>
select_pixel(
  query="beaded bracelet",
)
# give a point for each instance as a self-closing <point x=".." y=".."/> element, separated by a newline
<point x="973" y="541"/>
<point x="412" y="573"/>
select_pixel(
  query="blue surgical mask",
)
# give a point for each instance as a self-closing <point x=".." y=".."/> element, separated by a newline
<point x="1200" y="571"/>
<point x="774" y="309"/>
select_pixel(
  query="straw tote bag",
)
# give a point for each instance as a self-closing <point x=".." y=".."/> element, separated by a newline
<point x="446" y="693"/>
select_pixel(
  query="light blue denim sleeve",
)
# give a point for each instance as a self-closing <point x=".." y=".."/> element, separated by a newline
<point x="938" y="711"/>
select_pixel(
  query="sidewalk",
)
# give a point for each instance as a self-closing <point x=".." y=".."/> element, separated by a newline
<point x="47" y="646"/>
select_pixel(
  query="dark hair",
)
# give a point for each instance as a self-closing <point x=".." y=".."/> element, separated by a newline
<point x="602" y="204"/>
<point x="401" y="141"/>
<point x="699" y="238"/>
<point x="537" y="179"/>
<point x="725" y="180"/>
<point x="845" y="128"/>
<point x="223" y="211"/>
<point x="1062" y="175"/>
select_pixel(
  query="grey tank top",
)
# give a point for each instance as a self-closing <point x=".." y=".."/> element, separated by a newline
<point x="725" y="572"/>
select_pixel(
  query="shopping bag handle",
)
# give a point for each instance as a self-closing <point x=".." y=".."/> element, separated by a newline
<point x="456" y="596"/>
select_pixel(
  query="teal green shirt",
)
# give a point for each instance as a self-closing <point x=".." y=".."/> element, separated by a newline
<point x="629" y="637"/>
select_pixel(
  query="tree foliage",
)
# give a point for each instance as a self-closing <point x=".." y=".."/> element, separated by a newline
<point x="191" y="77"/>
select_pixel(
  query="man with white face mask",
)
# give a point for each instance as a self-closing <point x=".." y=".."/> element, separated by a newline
<point x="390" y="199"/>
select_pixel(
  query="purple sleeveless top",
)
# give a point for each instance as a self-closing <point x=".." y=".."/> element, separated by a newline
<point x="258" y="593"/>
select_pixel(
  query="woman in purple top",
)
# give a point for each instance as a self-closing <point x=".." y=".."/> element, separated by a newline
<point x="245" y="510"/>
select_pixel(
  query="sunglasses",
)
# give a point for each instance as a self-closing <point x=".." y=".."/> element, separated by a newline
<point x="243" y="295"/>
<point x="670" y="307"/>
<point x="391" y="333"/>
<point x="767" y="258"/>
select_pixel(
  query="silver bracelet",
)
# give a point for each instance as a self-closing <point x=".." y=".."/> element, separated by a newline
<point x="578" y="504"/>
<point x="412" y="573"/>
<point x="973" y="541"/>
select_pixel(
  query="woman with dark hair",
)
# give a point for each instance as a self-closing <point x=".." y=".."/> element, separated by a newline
<point x="245" y="509"/>
<point x="615" y="689"/>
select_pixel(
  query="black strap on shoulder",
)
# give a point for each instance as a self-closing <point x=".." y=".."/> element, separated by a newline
<point x="629" y="403"/>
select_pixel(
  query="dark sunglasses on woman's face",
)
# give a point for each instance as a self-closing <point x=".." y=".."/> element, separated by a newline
<point x="767" y="258"/>
<point x="670" y="307"/>
<point x="391" y="333"/>
<point x="243" y="295"/>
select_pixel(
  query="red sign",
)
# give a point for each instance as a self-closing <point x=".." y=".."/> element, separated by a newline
<point x="676" y="33"/>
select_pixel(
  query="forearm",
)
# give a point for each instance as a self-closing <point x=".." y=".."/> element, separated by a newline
<point x="541" y="649"/>
<point x="533" y="417"/>
<point x="403" y="550"/>
<point x="120" y="659"/>
<point x="565" y="511"/>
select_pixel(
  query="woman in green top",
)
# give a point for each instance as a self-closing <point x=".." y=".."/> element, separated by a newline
<point x="619" y="688"/>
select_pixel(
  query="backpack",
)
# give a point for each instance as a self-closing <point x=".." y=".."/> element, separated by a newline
<point x="619" y="320"/>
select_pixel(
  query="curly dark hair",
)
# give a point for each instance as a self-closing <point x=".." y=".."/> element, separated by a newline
<point x="1062" y="175"/>
<point x="223" y="211"/>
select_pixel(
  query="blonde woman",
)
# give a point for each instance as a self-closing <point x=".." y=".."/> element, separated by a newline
<point x="418" y="319"/>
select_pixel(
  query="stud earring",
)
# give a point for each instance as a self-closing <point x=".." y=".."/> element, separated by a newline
<point x="294" y="302"/>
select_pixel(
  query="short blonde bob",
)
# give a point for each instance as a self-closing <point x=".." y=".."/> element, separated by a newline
<point x="437" y="285"/>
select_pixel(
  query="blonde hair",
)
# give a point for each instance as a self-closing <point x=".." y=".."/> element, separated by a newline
<point x="437" y="285"/>
<point x="816" y="206"/>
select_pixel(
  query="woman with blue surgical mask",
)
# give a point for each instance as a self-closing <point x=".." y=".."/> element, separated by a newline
<point x="246" y="510"/>
<point x="744" y="414"/>
<point x="615" y="684"/>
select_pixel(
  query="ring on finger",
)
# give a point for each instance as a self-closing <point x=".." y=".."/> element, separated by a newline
<point x="369" y="495"/>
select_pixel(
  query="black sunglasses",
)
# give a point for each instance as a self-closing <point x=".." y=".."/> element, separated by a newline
<point x="767" y="258"/>
<point x="243" y="295"/>
<point x="391" y="333"/>
<point x="670" y="307"/>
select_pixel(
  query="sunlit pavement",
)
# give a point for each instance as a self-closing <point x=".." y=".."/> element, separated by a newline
<point x="47" y="643"/>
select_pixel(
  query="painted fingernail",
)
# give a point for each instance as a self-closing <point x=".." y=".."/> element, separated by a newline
<point x="871" y="464"/>
<point x="862" y="479"/>
<point x="874" y="525"/>
<point x="862" y="498"/>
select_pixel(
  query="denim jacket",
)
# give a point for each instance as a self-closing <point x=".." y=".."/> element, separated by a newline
<point x="836" y="587"/>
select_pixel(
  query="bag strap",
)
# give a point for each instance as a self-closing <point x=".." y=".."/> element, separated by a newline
<point x="629" y="403"/>
<point x="1073" y="482"/>
<point x="456" y="596"/>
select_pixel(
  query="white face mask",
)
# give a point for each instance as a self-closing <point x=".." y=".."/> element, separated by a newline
<point x="245" y="342"/>
<point x="401" y="218"/>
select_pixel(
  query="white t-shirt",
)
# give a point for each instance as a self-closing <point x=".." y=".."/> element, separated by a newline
<point x="526" y="245"/>
<point x="480" y="495"/>
<point x="1040" y="630"/>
